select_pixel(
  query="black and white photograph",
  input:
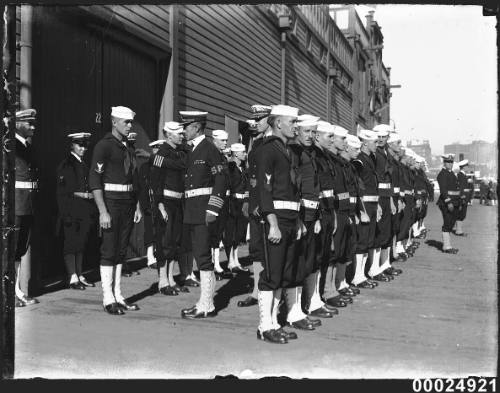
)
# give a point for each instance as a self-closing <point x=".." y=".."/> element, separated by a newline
<point x="212" y="191"/>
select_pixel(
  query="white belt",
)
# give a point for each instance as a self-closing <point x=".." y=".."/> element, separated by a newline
<point x="408" y="192"/>
<point x="396" y="189"/>
<point x="420" y="192"/>
<point x="384" y="185"/>
<point x="238" y="195"/>
<point x="352" y="199"/>
<point x="198" y="191"/>
<point x="326" y="194"/>
<point x="118" y="187"/>
<point x="84" y="195"/>
<point x="309" y="204"/>
<point x="289" y="205"/>
<point x="27" y="185"/>
<point x="172" y="194"/>
<point x="370" y="198"/>
<point x="467" y="189"/>
<point x="343" y="195"/>
<point x="453" y="192"/>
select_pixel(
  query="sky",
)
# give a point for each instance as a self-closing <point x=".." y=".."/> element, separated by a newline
<point x="444" y="58"/>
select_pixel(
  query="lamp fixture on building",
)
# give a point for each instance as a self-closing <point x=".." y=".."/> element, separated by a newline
<point x="285" y="22"/>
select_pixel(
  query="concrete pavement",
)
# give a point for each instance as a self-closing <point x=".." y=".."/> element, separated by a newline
<point x="438" y="319"/>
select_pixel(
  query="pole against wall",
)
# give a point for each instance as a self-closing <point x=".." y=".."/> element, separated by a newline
<point x="7" y="207"/>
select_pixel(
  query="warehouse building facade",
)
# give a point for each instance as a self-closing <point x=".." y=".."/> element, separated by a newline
<point x="75" y="62"/>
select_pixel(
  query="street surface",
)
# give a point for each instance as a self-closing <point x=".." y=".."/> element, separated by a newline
<point x="438" y="319"/>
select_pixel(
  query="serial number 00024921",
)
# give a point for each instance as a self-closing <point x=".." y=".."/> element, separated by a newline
<point x="471" y="384"/>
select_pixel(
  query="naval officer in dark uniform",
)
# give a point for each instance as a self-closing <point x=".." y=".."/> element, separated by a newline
<point x="466" y="187"/>
<point x="260" y="130"/>
<point x="77" y="210"/>
<point x="204" y="191"/>
<point x="26" y="188"/>
<point x="449" y="200"/>
<point x="111" y="180"/>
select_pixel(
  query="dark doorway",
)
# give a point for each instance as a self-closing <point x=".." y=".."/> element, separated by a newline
<point x="79" y="72"/>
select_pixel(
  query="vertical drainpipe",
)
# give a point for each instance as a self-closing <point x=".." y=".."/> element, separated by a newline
<point x="283" y="67"/>
<point x="174" y="44"/>
<point x="328" y="94"/>
<point x="26" y="49"/>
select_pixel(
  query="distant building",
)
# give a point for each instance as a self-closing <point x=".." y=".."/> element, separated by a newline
<point x="422" y="148"/>
<point x="481" y="155"/>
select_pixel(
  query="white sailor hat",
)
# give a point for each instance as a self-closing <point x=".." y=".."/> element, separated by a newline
<point x="284" y="110"/>
<point x="308" y="117"/>
<point x="367" y="135"/>
<point x="353" y="141"/>
<point x="394" y="137"/>
<point x="382" y="129"/>
<point x="122" y="112"/>
<point x="173" y="126"/>
<point x="307" y="120"/>
<point x="26" y="115"/>
<point x="157" y="143"/>
<point x="220" y="134"/>
<point x="340" y="131"/>
<point x="448" y="157"/>
<point x="237" y="147"/>
<point x="260" y="111"/>
<point x="79" y="136"/>
<point x="463" y="163"/>
<point x="419" y="158"/>
<point x="188" y="117"/>
<point x="324" y="126"/>
<point x="409" y="153"/>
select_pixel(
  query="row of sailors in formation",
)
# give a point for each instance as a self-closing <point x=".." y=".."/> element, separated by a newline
<point x="328" y="212"/>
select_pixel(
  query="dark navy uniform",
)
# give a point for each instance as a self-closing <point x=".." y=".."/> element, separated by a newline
<point x="218" y="227"/>
<point x="77" y="212"/>
<point x="406" y="192"/>
<point x="114" y="171"/>
<point x="421" y="193"/>
<point x="205" y="189"/>
<point x="396" y="165"/>
<point x="279" y="195"/>
<point x="365" y="167"/>
<point x="383" y="169"/>
<point x="449" y="189"/>
<point x="236" y="225"/>
<point x="465" y="188"/>
<point x="26" y="188"/>
<point x="167" y="182"/>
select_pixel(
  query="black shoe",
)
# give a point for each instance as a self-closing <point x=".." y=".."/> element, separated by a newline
<point x="324" y="312"/>
<point x="400" y="258"/>
<point x="371" y="282"/>
<point x="127" y="306"/>
<point x="84" y="281"/>
<point x="113" y="309"/>
<point x="126" y="272"/>
<point x="403" y="255"/>
<point x="393" y="271"/>
<point x="249" y="301"/>
<point x="272" y="336"/>
<point x="314" y="322"/>
<point x="19" y="303"/>
<point x="346" y="299"/>
<point x="451" y="250"/>
<point x="346" y="292"/>
<point x="239" y="269"/>
<point x="381" y="277"/>
<point x="302" y="324"/>
<point x="226" y="275"/>
<point x="218" y="276"/>
<point x="364" y="284"/>
<point x="168" y="291"/>
<point x="336" y="302"/>
<point x="461" y="234"/>
<point x="288" y="335"/>
<point x="331" y="309"/>
<point x="153" y="266"/>
<point x="191" y="283"/>
<point x="193" y="313"/>
<point x="180" y="289"/>
<point x="77" y="285"/>
<point x="354" y="289"/>
<point x="28" y="301"/>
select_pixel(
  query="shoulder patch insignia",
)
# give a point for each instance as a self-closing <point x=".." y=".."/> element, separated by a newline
<point x="99" y="167"/>
<point x="268" y="178"/>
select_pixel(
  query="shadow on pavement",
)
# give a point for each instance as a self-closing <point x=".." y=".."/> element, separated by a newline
<point x="434" y="243"/>
<point x="152" y="290"/>
<point x="238" y="285"/>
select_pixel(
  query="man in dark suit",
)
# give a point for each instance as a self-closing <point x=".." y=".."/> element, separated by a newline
<point x="26" y="186"/>
<point x="205" y="189"/>
<point x="77" y="210"/>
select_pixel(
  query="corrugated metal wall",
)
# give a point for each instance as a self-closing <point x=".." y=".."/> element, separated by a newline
<point x="341" y="112"/>
<point x="229" y="59"/>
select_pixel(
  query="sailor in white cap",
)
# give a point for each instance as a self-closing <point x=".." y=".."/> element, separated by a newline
<point x="260" y="129"/>
<point x="77" y="212"/>
<point x="111" y="177"/>
<point x="279" y="205"/>
<point x="167" y="184"/>
<point x="236" y="224"/>
<point x="26" y="187"/>
<point x="205" y="186"/>
<point x="465" y="195"/>
<point x="302" y="155"/>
